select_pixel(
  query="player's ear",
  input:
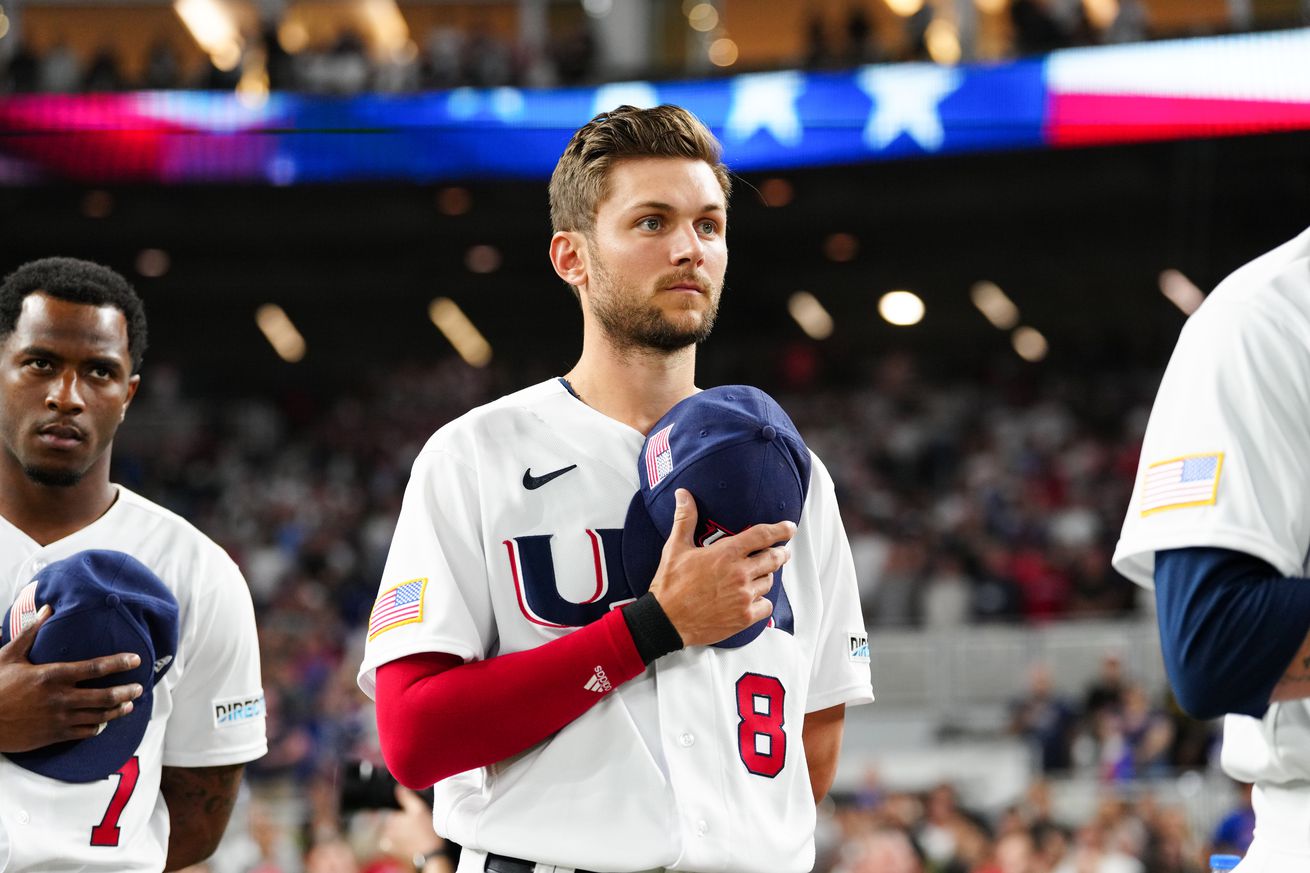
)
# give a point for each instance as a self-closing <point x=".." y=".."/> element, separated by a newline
<point x="568" y="255"/>
<point x="132" y="384"/>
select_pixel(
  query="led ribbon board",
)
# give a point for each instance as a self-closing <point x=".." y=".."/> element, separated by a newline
<point x="1149" y="91"/>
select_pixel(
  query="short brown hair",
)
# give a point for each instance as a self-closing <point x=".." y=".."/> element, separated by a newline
<point x="581" y="178"/>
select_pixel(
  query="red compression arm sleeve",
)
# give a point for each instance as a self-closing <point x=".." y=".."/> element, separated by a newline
<point x="438" y="716"/>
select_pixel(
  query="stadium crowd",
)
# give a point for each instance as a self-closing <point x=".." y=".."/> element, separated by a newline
<point x="476" y="56"/>
<point x="991" y="498"/>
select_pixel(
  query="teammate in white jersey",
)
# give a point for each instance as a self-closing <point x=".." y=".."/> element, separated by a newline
<point x="1219" y="525"/>
<point x="564" y="733"/>
<point x="72" y="335"/>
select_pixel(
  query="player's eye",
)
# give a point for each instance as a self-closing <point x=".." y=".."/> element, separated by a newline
<point x="40" y="364"/>
<point x="709" y="228"/>
<point x="650" y="222"/>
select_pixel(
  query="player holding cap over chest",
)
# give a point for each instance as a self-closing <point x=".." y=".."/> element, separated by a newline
<point x="618" y="625"/>
<point x="128" y="637"/>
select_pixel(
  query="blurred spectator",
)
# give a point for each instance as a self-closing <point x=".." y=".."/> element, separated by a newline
<point x="162" y="70"/>
<point x="1046" y="720"/>
<point x="103" y="74"/>
<point x="59" y="71"/>
<point x="1233" y="834"/>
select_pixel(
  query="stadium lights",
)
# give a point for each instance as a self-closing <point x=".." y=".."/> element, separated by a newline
<point x="390" y="32"/>
<point x="723" y="52"/>
<point x="280" y="332"/>
<point x="776" y="192"/>
<point x="901" y="308"/>
<point x="841" y="247"/>
<point x="991" y="7"/>
<point x="152" y="263"/>
<point x="1029" y="344"/>
<point x="214" y="28"/>
<point x="703" y="17"/>
<point x="482" y="259"/>
<point x="809" y="313"/>
<point x="905" y="8"/>
<point x="455" y="326"/>
<point x="943" y="42"/>
<point x="1181" y="291"/>
<point x="995" y="306"/>
<point x="1101" y="13"/>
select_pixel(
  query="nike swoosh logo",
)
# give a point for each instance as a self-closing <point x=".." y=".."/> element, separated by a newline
<point x="532" y="482"/>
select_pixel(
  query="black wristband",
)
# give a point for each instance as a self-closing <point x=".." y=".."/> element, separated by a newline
<point x="651" y="629"/>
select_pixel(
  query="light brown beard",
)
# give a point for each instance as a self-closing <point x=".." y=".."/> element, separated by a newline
<point x="635" y="323"/>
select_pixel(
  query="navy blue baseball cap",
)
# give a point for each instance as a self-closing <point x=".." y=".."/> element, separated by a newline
<point x="743" y="461"/>
<point x="104" y="602"/>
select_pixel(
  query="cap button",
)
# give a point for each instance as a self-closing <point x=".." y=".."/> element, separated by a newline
<point x="112" y="600"/>
<point x="768" y="432"/>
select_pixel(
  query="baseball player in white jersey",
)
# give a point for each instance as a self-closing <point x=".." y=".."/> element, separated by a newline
<point x="562" y="732"/>
<point x="71" y="338"/>
<point x="1219" y="525"/>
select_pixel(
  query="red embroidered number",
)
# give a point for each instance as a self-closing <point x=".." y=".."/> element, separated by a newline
<point x="106" y="833"/>
<point x="761" y="741"/>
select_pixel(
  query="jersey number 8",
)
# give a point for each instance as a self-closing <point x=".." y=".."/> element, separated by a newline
<point x="761" y="741"/>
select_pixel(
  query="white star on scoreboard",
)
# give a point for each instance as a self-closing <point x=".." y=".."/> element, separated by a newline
<point x="907" y="99"/>
<point x="766" y="101"/>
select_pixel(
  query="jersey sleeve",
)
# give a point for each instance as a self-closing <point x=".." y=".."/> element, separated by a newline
<point x="218" y="702"/>
<point x="434" y="595"/>
<point x="840" y="672"/>
<point x="1225" y="460"/>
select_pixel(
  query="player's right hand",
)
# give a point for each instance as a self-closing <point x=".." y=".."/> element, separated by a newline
<point x="712" y="592"/>
<point x="41" y="704"/>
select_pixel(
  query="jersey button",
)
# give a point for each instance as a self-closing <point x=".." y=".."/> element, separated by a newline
<point x="687" y="739"/>
<point x="23" y="817"/>
<point x="702" y="828"/>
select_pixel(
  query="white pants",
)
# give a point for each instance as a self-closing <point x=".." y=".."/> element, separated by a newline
<point x="1282" y="830"/>
<point x="472" y="861"/>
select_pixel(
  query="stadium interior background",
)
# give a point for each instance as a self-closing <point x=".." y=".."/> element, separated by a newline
<point x="1020" y="690"/>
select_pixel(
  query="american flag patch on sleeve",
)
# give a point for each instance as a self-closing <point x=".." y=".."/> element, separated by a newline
<point x="1192" y="480"/>
<point x="397" y="606"/>
<point x="659" y="457"/>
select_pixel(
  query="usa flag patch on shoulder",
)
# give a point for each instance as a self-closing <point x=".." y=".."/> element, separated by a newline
<point x="400" y="605"/>
<point x="1192" y="480"/>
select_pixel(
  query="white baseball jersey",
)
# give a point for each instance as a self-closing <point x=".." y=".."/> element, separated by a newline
<point x="1226" y="463"/>
<point x="696" y="764"/>
<point x="208" y="708"/>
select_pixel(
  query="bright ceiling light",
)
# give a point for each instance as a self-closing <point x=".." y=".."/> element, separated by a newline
<point x="703" y="17"/>
<point x="991" y="7"/>
<point x="723" y="52"/>
<point x="390" y="31"/>
<point x="905" y="8"/>
<point x="995" y="306"/>
<point x="809" y="313"/>
<point x="213" y="26"/>
<point x="901" y="308"/>
<point x="461" y="333"/>
<point x="1029" y="344"/>
<point x="280" y="332"/>
<point x="1101" y="13"/>
<point x="943" y="42"/>
<point x="1181" y="291"/>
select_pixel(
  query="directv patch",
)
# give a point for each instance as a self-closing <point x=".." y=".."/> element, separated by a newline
<point x="859" y="650"/>
<point x="238" y="710"/>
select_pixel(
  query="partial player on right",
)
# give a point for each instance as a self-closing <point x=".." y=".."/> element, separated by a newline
<point x="1219" y="525"/>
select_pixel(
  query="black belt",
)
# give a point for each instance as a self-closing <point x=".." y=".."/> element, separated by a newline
<point x="501" y="864"/>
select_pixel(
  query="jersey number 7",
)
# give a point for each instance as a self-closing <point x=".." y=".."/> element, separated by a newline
<point x="107" y="832"/>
